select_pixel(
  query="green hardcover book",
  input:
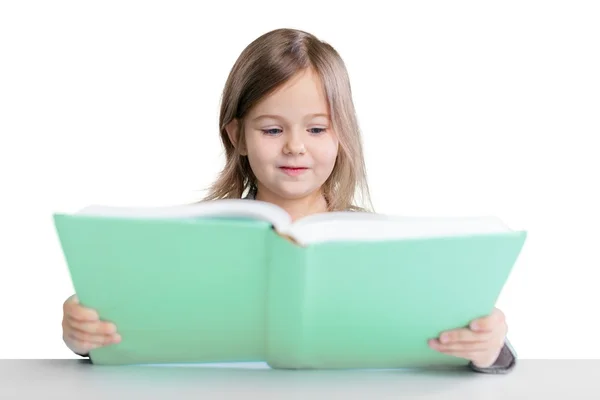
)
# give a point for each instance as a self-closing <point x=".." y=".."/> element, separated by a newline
<point x="236" y="281"/>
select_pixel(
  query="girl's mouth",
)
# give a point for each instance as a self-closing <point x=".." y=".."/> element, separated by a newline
<point x="293" y="171"/>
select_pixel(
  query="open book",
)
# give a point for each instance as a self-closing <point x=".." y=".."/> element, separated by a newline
<point x="322" y="227"/>
<point x="221" y="282"/>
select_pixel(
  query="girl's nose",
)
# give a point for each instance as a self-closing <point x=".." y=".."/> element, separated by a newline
<point x="294" y="144"/>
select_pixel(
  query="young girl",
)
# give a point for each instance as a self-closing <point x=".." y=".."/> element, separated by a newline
<point x="291" y="138"/>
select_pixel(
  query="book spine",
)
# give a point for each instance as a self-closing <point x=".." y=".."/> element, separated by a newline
<point x="286" y="284"/>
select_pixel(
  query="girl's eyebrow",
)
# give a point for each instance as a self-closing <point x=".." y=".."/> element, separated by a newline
<point x="272" y="116"/>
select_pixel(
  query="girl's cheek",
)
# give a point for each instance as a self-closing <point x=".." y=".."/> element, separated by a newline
<point x="327" y="154"/>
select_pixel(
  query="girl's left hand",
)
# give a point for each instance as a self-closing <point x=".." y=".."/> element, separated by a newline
<point x="481" y="343"/>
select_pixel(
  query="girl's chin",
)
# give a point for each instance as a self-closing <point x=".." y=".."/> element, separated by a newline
<point x="298" y="192"/>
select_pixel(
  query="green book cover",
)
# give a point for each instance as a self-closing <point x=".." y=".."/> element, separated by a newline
<point x="235" y="281"/>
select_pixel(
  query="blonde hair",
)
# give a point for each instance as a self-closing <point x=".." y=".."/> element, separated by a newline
<point x="263" y="66"/>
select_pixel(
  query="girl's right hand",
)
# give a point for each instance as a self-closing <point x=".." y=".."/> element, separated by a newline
<point x="83" y="330"/>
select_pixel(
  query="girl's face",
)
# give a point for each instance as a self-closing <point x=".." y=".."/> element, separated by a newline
<point x="290" y="144"/>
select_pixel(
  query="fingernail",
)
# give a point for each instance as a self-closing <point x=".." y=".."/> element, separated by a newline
<point x="116" y="338"/>
<point x="444" y="337"/>
<point x="475" y="326"/>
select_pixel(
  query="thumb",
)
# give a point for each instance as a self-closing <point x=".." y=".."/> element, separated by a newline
<point x="70" y="302"/>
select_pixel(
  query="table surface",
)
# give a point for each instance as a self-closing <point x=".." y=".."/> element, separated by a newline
<point x="78" y="379"/>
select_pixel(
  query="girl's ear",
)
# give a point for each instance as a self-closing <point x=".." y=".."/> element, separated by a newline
<point x="233" y="131"/>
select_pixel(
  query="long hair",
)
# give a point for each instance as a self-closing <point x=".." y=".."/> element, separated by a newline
<point x="262" y="67"/>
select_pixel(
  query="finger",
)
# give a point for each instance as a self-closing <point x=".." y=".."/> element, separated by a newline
<point x="76" y="311"/>
<point x="82" y="342"/>
<point x="459" y="346"/>
<point x="467" y="355"/>
<point x="490" y="322"/>
<point x="94" y="327"/>
<point x="464" y="335"/>
<point x="87" y="339"/>
<point x="81" y="346"/>
<point x="70" y="302"/>
<point x="82" y="336"/>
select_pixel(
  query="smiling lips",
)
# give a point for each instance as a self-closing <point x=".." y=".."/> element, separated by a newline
<point x="293" y="171"/>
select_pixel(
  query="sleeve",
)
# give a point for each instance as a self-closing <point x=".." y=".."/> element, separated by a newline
<point x="504" y="364"/>
<point x="87" y="355"/>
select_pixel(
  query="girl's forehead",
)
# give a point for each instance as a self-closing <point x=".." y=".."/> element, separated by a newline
<point x="293" y="115"/>
<point x="301" y="97"/>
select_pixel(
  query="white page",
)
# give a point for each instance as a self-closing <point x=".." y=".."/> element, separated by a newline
<point x="343" y="225"/>
<point x="227" y="208"/>
<point x="361" y="227"/>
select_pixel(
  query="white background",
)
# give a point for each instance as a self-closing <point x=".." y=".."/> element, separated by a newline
<point x="467" y="108"/>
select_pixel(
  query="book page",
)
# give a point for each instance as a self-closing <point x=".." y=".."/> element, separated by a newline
<point x="366" y="227"/>
<point x="227" y="208"/>
<point x="340" y="216"/>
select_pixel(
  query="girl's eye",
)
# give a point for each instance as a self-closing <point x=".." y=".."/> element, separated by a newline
<point x="275" y="131"/>
<point x="271" y="131"/>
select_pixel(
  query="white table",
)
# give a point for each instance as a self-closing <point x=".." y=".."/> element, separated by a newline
<point x="78" y="379"/>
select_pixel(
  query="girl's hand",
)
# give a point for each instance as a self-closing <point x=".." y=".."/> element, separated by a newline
<point x="481" y="343"/>
<point x="83" y="330"/>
